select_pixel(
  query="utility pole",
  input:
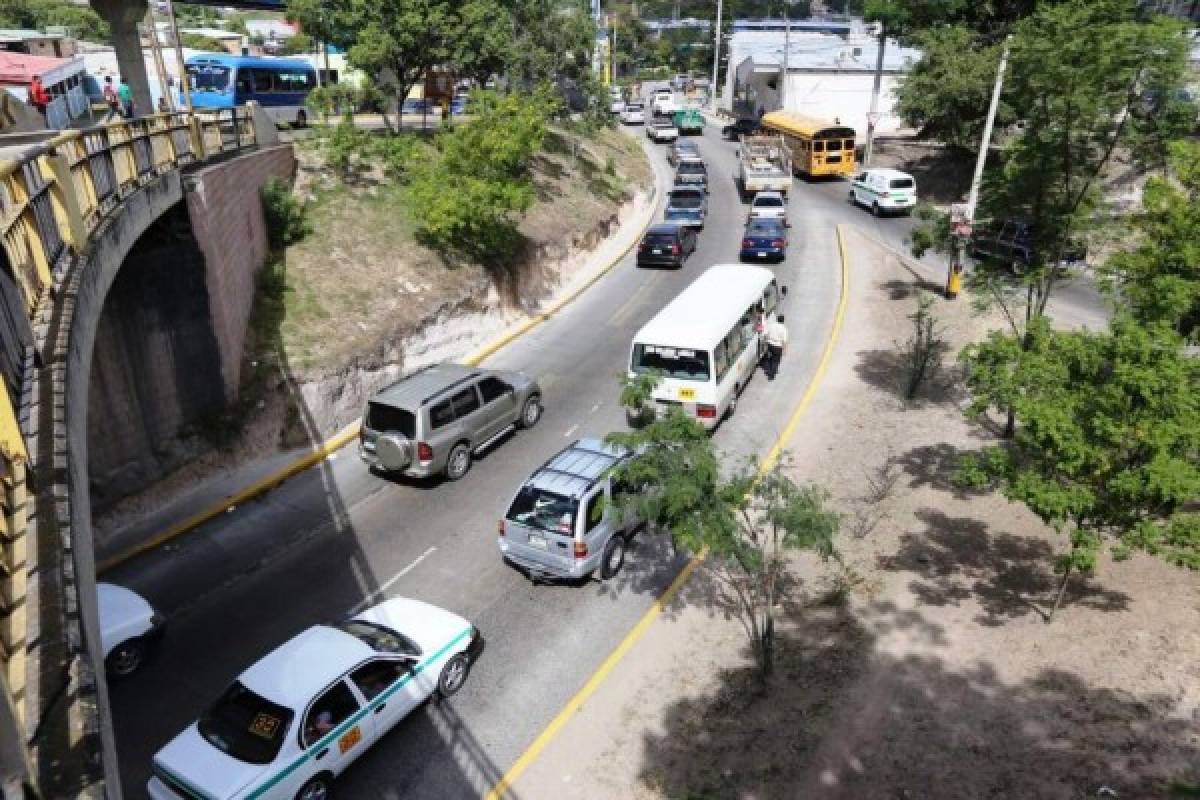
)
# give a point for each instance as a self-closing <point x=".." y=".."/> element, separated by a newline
<point x="716" y="57"/>
<point x="184" y="80"/>
<point x="963" y="218"/>
<point x="787" y="54"/>
<point x="873" y="114"/>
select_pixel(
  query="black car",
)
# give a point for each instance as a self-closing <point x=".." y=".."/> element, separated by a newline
<point x="666" y="244"/>
<point x="1013" y="242"/>
<point x="739" y="128"/>
<point x="764" y="239"/>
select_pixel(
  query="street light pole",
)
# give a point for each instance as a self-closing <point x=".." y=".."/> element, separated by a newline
<point x="716" y="57"/>
<point x="966" y="216"/>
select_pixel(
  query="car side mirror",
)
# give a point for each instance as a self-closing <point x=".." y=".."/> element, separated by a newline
<point x="783" y="290"/>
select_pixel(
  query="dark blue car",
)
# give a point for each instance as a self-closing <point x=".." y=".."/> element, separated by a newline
<point x="764" y="240"/>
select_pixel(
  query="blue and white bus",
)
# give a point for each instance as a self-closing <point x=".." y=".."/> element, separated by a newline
<point x="279" y="85"/>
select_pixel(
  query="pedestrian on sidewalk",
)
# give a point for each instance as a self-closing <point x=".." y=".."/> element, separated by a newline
<point x="125" y="94"/>
<point x="776" y="337"/>
<point x="39" y="98"/>
<point x="112" y="99"/>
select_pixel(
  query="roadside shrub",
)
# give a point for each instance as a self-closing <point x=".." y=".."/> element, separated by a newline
<point x="285" y="216"/>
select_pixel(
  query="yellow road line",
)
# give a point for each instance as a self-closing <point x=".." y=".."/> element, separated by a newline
<point x="572" y="707"/>
<point x="347" y="434"/>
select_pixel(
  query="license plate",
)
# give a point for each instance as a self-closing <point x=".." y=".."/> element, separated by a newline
<point x="657" y="252"/>
<point x="687" y="394"/>
<point x="537" y="541"/>
<point x="761" y="254"/>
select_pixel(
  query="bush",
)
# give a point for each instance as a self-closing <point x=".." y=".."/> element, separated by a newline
<point x="285" y="216"/>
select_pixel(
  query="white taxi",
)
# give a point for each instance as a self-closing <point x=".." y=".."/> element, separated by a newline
<point x="296" y="719"/>
<point x="884" y="190"/>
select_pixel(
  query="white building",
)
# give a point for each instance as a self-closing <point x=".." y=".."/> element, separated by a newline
<point x="830" y="74"/>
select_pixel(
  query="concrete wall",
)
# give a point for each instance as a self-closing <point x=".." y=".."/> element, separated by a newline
<point x="227" y="221"/>
<point x="156" y="366"/>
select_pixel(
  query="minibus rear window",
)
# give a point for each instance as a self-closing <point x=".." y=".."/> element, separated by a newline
<point x="674" y="362"/>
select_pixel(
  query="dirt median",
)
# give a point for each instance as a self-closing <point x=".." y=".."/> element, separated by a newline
<point x="924" y="669"/>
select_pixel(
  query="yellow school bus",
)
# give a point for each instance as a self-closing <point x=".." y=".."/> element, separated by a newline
<point x="818" y="147"/>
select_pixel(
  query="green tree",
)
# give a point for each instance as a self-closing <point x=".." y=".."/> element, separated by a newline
<point x="746" y="524"/>
<point x="484" y="44"/>
<point x="1107" y="445"/>
<point x="466" y="200"/>
<point x="81" y="21"/>
<point x="946" y="94"/>
<point x="299" y="43"/>
<point x="393" y="41"/>
<point x="198" y="41"/>
<point x="1158" y="279"/>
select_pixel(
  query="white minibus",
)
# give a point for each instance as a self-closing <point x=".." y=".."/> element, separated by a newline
<point x="707" y="341"/>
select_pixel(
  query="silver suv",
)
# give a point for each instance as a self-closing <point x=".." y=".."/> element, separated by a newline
<point x="562" y="523"/>
<point x="432" y="421"/>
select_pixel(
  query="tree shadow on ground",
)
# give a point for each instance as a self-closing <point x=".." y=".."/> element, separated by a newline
<point x="958" y="559"/>
<point x="899" y="289"/>
<point x="888" y="370"/>
<point x="845" y="719"/>
<point x="935" y="466"/>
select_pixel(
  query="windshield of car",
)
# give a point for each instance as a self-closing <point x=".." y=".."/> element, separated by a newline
<point x="685" y="200"/>
<point x="245" y="726"/>
<point x="901" y="183"/>
<point x="544" y="510"/>
<point x="379" y="638"/>
<point x="691" y="168"/>
<point x="674" y="362"/>
<point x="208" y="77"/>
<point x="382" y="417"/>
<point x="634" y="107"/>
<point x="767" y="201"/>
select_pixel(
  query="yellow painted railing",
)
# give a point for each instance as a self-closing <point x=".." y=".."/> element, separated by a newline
<point x="54" y="194"/>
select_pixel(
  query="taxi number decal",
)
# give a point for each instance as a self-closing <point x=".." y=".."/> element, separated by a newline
<point x="687" y="394"/>
<point x="264" y="725"/>
<point x="350" y="738"/>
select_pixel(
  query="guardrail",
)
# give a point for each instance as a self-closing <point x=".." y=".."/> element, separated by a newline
<point x="54" y="195"/>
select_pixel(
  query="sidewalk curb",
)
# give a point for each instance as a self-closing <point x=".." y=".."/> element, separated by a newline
<point x="503" y="787"/>
<point x="347" y="434"/>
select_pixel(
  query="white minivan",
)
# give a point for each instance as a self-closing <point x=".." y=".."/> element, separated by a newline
<point x="884" y="190"/>
<point x="707" y="342"/>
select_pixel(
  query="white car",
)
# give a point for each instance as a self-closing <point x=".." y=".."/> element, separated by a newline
<point x="768" y="205"/>
<point x="662" y="130"/>
<point x="883" y="190"/>
<point x="296" y="719"/>
<point x="634" y="114"/>
<point x="128" y="627"/>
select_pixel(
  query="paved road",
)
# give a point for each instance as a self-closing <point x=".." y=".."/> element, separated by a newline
<point x="337" y="536"/>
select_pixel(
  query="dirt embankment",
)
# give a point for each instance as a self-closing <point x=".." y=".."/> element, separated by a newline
<point x="926" y="669"/>
<point x="360" y="300"/>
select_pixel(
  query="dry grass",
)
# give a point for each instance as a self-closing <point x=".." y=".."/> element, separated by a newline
<point x="361" y="278"/>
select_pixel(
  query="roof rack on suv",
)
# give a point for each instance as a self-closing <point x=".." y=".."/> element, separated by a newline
<point x="448" y="387"/>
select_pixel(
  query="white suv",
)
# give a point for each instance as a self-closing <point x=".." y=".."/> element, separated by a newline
<point x="884" y="190"/>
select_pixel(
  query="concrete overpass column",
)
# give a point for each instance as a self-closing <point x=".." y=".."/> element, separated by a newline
<point x="123" y="17"/>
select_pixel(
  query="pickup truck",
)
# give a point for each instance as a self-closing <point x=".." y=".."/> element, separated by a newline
<point x="662" y="129"/>
<point x="764" y="165"/>
<point x="691" y="172"/>
<point x="686" y="205"/>
<point x="688" y="120"/>
<point x="1012" y="241"/>
<point x="663" y="102"/>
<point x="739" y="128"/>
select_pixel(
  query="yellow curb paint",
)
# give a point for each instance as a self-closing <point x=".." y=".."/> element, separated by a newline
<point x="497" y="792"/>
<point x="347" y="434"/>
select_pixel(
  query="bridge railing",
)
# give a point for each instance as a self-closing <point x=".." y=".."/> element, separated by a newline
<point x="54" y="194"/>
